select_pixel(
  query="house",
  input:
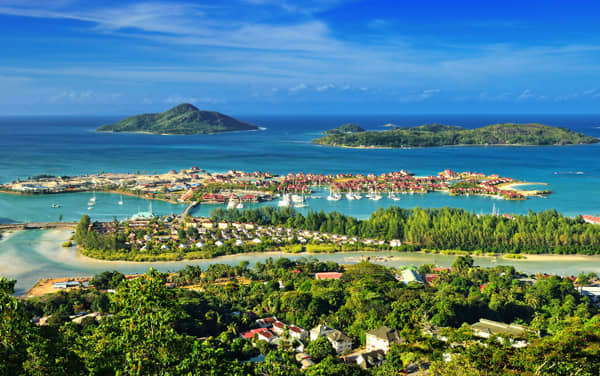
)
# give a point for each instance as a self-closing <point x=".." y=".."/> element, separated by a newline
<point x="370" y="359"/>
<point x="409" y="275"/>
<point x="320" y="331"/>
<point x="297" y="332"/>
<point x="382" y="338"/>
<point x="395" y="243"/>
<point x="592" y="291"/>
<point x="266" y="322"/>
<point x="305" y="360"/>
<point x="328" y="275"/>
<point x="431" y="277"/>
<point x="486" y="328"/>
<point x="261" y="334"/>
<point x="278" y="327"/>
<point x="340" y="342"/>
<point x="591" y="219"/>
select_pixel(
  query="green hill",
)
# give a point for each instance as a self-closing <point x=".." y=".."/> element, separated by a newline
<point x="183" y="119"/>
<point x="445" y="135"/>
<point x="346" y="128"/>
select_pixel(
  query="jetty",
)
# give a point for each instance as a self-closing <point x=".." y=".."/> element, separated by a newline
<point x="38" y="225"/>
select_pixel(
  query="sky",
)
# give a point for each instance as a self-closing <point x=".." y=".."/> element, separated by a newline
<point x="299" y="57"/>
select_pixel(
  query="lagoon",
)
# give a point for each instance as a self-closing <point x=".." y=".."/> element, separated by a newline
<point x="34" y="254"/>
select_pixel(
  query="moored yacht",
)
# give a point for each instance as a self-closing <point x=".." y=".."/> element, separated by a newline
<point x="333" y="196"/>
<point x="285" y="201"/>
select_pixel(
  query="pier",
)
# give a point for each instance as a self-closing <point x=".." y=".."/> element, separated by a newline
<point x="38" y="225"/>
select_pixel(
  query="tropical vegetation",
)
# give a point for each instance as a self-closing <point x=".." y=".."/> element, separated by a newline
<point x="445" y="135"/>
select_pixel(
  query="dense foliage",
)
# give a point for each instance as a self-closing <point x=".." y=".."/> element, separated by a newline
<point x="446" y="228"/>
<point x="148" y="328"/>
<point x="345" y="128"/>
<point x="442" y="135"/>
<point x="182" y="119"/>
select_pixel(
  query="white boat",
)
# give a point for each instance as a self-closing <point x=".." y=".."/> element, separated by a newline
<point x="394" y="197"/>
<point x="56" y="205"/>
<point x="285" y="201"/>
<point x="239" y="206"/>
<point x="90" y="207"/>
<point x="93" y="199"/>
<point x="334" y="196"/>
<point x="300" y="205"/>
<point x="231" y="204"/>
<point x="297" y="198"/>
<point x="350" y="196"/>
<point x="374" y="196"/>
<point x="120" y="200"/>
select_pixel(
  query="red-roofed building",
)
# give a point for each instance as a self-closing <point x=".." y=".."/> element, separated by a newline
<point x="261" y="333"/>
<point x="591" y="219"/>
<point x="328" y="275"/>
<point x="267" y="322"/>
<point x="430" y="278"/>
<point x="278" y="327"/>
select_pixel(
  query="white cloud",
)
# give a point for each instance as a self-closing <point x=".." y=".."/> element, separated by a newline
<point x="426" y="94"/>
<point x="298" y="87"/>
<point x="325" y="87"/>
<point x="525" y="95"/>
<point x="72" y="96"/>
<point x="177" y="99"/>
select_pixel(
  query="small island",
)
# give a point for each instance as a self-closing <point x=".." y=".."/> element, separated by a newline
<point x="445" y="135"/>
<point x="184" y="119"/>
<point x="345" y="129"/>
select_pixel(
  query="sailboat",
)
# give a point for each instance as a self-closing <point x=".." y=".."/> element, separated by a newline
<point x="393" y="196"/>
<point x="350" y="195"/>
<point x="120" y="200"/>
<point x="285" y="201"/>
<point x="375" y="196"/>
<point x="334" y="196"/>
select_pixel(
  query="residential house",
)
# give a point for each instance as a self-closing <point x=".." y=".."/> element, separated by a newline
<point x="340" y="342"/>
<point x="409" y="275"/>
<point x="382" y="338"/>
<point x="328" y="275"/>
<point x="370" y="359"/>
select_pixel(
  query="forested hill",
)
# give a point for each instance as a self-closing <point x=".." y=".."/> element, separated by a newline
<point x="444" y="135"/>
<point x="184" y="119"/>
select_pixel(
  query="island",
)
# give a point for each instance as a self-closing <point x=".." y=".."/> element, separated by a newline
<point x="184" y="119"/>
<point x="447" y="135"/>
<point x="345" y="129"/>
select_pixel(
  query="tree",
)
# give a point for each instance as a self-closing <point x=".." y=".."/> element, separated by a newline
<point x="462" y="263"/>
<point x="320" y="348"/>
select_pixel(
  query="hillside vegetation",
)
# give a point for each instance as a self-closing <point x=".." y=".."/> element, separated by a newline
<point x="184" y="119"/>
<point x="444" y="135"/>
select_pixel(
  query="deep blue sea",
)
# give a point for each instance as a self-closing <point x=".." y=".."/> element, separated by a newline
<point x="69" y="145"/>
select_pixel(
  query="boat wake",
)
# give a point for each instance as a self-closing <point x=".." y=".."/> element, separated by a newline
<point x="262" y="128"/>
<point x="569" y="173"/>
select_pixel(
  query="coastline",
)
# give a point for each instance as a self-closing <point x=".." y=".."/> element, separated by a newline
<point x="373" y="147"/>
<point x="178" y="134"/>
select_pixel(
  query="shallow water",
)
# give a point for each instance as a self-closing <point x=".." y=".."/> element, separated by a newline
<point x="34" y="254"/>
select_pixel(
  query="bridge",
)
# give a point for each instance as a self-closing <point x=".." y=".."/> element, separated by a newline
<point x="39" y="225"/>
<point x="187" y="211"/>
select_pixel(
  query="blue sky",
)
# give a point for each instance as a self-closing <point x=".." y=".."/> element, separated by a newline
<point x="300" y="57"/>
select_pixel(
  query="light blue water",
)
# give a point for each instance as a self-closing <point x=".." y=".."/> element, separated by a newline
<point x="34" y="254"/>
<point x="68" y="146"/>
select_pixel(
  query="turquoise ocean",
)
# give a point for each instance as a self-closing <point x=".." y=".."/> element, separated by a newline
<point x="69" y="146"/>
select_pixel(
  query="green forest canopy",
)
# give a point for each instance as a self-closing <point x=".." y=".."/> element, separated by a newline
<point x="184" y="119"/>
<point x="444" y="135"/>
